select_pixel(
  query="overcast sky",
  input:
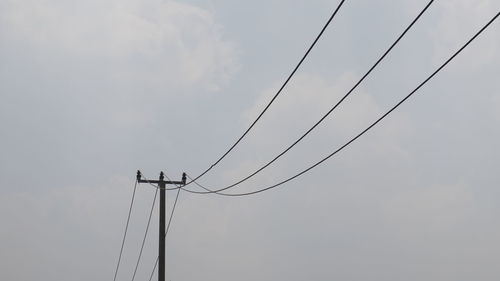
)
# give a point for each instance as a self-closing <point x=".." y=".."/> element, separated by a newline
<point x="91" y="91"/>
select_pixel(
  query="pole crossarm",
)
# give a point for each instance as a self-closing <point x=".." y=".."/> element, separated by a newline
<point x="161" y="180"/>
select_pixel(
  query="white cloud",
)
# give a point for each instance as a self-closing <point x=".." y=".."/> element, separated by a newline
<point x="171" y="38"/>
<point x="406" y="201"/>
<point x="458" y="21"/>
<point x="307" y="99"/>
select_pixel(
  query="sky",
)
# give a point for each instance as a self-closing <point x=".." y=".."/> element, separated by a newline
<point x="92" y="91"/>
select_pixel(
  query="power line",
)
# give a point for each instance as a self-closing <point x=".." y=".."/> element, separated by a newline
<point x="168" y="226"/>
<point x="377" y="121"/>
<point x="212" y="190"/>
<point x="275" y="96"/>
<point x="125" y="232"/>
<point x="145" y="234"/>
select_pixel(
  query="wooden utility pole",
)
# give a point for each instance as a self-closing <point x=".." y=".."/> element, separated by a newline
<point x="162" y="231"/>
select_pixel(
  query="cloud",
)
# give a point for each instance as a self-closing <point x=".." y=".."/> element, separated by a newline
<point x="307" y="99"/>
<point x="101" y="77"/>
<point x="169" y="40"/>
<point x="458" y="21"/>
<point x="88" y="93"/>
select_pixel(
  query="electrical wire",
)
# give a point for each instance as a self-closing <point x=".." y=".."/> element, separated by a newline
<point x="125" y="232"/>
<point x="145" y="234"/>
<point x="374" y="123"/>
<point x="275" y="96"/>
<point x="213" y="190"/>
<point x="168" y="225"/>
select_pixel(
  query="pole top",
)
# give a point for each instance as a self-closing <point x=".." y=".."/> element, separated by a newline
<point x="162" y="176"/>
<point x="139" y="176"/>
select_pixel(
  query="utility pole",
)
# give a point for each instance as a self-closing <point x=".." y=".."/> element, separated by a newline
<point x="162" y="231"/>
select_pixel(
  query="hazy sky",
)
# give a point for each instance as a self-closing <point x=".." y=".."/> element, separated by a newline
<point x="92" y="91"/>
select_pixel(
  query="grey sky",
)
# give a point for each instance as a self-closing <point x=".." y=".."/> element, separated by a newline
<point x="93" y="90"/>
